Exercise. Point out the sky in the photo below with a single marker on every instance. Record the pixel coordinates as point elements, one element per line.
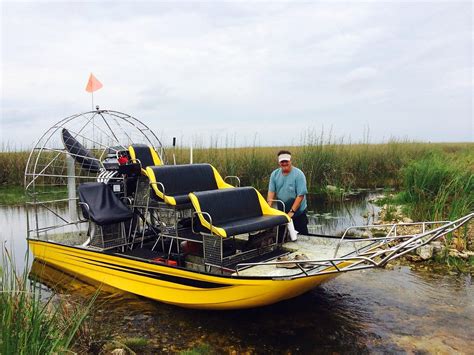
<point>248,73</point>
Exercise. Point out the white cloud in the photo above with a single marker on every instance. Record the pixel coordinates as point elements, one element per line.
<point>251,68</point>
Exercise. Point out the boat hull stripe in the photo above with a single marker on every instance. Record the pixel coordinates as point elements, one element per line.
<point>152,274</point>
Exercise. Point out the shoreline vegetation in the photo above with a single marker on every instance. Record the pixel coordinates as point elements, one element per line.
<point>435,180</point>
<point>33,324</point>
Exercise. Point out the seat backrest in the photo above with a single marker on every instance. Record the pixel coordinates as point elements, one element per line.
<point>104,207</point>
<point>80,154</point>
<point>179,180</point>
<point>147,156</point>
<point>228,205</point>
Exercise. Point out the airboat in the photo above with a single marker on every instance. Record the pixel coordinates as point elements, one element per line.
<point>103,204</point>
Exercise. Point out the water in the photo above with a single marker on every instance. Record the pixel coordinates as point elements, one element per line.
<point>399,310</point>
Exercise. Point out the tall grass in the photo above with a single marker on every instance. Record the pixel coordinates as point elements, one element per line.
<point>12,167</point>
<point>325,162</point>
<point>30,325</point>
<point>429,172</point>
<point>439,187</point>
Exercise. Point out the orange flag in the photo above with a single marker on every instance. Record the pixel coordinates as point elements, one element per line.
<point>93,84</point>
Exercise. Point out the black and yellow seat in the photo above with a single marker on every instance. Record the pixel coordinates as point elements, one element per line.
<point>172,184</point>
<point>235,211</point>
<point>106,213</point>
<point>145,155</point>
<point>167,203</point>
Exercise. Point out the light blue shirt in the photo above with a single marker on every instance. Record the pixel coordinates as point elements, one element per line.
<point>288,187</point>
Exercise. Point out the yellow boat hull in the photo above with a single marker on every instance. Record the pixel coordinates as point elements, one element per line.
<point>177,286</point>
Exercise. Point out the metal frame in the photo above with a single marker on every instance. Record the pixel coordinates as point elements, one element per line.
<point>233,177</point>
<point>377,253</point>
<point>46,164</point>
<point>94,227</point>
<point>213,243</point>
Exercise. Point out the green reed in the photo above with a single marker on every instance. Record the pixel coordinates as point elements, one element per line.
<point>325,162</point>
<point>29,324</point>
<point>329,161</point>
<point>439,186</point>
<point>12,167</point>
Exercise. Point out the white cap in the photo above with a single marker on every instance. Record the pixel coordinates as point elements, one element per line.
<point>282,157</point>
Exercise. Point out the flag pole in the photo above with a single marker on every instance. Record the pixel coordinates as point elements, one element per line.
<point>92,100</point>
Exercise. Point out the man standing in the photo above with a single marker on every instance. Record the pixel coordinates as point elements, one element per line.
<point>288,184</point>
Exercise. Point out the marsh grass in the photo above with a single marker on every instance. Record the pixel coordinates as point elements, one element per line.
<point>439,187</point>
<point>11,195</point>
<point>15,195</point>
<point>325,162</point>
<point>202,349</point>
<point>437,177</point>
<point>12,167</point>
<point>31,325</point>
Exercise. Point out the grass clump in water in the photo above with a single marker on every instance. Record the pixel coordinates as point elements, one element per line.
<point>31,325</point>
<point>201,349</point>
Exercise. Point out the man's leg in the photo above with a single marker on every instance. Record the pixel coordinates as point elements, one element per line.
<point>301,223</point>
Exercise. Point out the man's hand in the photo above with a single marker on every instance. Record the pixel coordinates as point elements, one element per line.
<point>291,214</point>
<point>270,197</point>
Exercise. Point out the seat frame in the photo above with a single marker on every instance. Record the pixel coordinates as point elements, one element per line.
<point>98,234</point>
<point>213,246</point>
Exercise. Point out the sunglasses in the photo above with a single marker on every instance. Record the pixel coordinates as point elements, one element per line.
<point>285,162</point>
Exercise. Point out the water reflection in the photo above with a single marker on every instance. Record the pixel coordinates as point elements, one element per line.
<point>332,218</point>
<point>13,233</point>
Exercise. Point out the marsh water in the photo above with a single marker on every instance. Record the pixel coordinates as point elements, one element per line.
<point>401,309</point>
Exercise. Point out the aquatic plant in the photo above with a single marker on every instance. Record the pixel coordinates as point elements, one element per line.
<point>200,349</point>
<point>30,324</point>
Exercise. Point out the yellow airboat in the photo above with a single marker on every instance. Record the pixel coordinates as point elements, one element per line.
<point>104,205</point>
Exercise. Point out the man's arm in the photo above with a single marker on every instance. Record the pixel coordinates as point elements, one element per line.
<point>295,205</point>
<point>271,190</point>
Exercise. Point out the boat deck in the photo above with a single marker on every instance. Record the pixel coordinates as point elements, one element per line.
<point>315,248</point>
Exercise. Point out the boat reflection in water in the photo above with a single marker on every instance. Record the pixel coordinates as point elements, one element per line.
<point>59,281</point>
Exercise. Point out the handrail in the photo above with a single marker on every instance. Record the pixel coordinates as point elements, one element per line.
<point>201,213</point>
<point>381,226</point>
<point>280,201</point>
<point>301,263</point>
<point>88,213</point>
<point>375,254</point>
<point>163,186</point>
<point>235,177</point>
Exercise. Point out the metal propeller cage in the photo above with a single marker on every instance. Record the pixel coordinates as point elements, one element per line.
<point>53,174</point>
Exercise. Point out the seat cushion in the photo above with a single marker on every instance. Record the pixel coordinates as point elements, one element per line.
<point>182,200</point>
<point>228,205</point>
<point>104,207</point>
<point>180,180</point>
<point>252,224</point>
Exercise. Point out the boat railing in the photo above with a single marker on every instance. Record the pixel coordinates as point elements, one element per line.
<point>369,252</point>
<point>393,229</point>
<point>236,178</point>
